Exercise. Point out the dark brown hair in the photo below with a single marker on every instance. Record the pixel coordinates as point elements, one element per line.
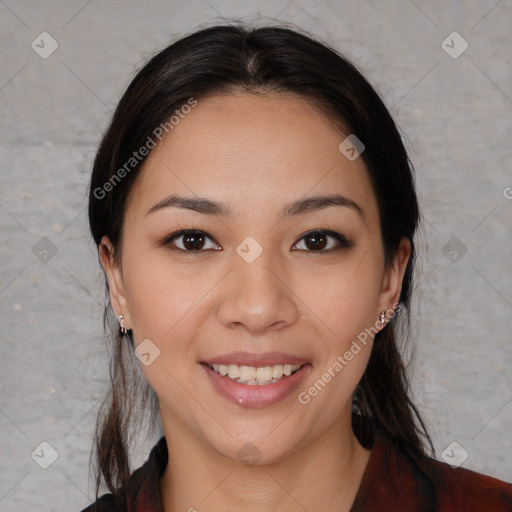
<point>224,60</point>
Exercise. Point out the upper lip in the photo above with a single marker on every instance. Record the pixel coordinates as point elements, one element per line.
<point>256,360</point>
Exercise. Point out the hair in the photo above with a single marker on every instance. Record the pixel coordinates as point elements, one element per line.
<point>234,59</point>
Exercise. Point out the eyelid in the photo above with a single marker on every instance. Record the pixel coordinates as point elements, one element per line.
<point>168,239</point>
<point>343,242</point>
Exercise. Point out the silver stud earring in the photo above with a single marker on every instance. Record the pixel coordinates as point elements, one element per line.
<point>382,318</point>
<point>123,329</point>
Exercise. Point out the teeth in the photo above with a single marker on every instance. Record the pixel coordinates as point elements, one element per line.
<point>264,373</point>
<point>233,371</point>
<point>277,371</point>
<point>254,376</point>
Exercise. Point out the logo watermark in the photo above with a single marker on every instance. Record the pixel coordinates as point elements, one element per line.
<point>138,156</point>
<point>304,397</point>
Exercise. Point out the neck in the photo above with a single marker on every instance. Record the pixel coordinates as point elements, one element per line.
<point>323,476</point>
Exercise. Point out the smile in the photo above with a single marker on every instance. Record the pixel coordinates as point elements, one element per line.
<point>256,386</point>
<point>255,376</point>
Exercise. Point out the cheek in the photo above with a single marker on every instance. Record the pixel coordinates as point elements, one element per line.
<point>346,298</point>
<point>168,308</point>
<point>344,302</point>
<point>161,299</point>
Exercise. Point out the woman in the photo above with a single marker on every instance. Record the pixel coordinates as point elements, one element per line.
<point>255,214</point>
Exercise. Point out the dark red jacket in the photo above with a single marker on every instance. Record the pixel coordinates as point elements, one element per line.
<point>392,482</point>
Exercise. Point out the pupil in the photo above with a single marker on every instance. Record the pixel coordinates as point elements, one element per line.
<point>193,241</point>
<point>318,240</point>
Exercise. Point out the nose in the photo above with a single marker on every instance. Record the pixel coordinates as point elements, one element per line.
<point>257,296</point>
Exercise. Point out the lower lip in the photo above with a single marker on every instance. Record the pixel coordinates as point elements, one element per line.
<point>246,395</point>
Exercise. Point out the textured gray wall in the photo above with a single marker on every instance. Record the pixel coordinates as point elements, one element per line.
<point>455,111</point>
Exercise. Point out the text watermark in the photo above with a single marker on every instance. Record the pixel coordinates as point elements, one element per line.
<point>138,156</point>
<point>304,397</point>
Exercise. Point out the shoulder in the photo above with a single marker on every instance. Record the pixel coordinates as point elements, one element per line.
<point>399,480</point>
<point>462,489</point>
<point>106,503</point>
<point>141,492</point>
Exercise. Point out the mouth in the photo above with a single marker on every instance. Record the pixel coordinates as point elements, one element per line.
<point>255,376</point>
<point>261,381</point>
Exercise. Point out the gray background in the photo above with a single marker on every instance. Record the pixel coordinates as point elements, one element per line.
<point>455,114</point>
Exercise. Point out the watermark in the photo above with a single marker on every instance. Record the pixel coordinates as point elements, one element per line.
<point>146,352</point>
<point>454,45</point>
<point>351,147</point>
<point>44,455</point>
<point>138,156</point>
<point>249,454</point>
<point>304,397</point>
<point>44,45</point>
<point>454,454</point>
<point>454,249</point>
<point>507,192</point>
<point>44,250</point>
<point>249,249</point>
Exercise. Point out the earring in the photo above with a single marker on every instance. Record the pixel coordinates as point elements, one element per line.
<point>123,329</point>
<point>382,318</point>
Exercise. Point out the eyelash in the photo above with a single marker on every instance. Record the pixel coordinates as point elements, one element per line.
<point>344,243</point>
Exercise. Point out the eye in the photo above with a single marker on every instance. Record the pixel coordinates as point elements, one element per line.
<point>318,241</point>
<point>192,240</point>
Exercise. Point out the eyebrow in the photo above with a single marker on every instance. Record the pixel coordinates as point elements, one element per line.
<point>299,207</point>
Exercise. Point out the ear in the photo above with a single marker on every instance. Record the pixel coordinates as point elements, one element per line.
<point>393,276</point>
<point>112,268</point>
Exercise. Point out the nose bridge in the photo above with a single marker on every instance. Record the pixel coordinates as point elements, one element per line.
<point>256,278</point>
<point>256,294</point>
<point>253,260</point>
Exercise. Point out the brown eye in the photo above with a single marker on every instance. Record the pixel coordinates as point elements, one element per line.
<point>321,241</point>
<point>316,241</point>
<point>191,241</point>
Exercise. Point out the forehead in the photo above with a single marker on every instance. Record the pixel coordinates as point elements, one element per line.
<point>253,152</point>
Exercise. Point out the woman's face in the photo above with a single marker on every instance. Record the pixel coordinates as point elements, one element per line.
<point>266,277</point>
